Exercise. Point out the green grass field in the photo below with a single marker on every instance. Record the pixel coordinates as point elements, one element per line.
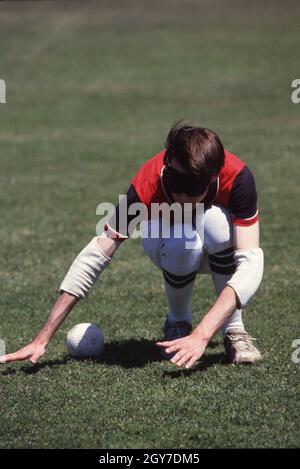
<point>92,89</point>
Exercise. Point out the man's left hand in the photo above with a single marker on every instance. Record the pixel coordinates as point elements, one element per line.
<point>188,349</point>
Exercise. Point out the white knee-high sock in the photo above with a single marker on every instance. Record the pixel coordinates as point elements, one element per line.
<point>179,300</point>
<point>235,321</point>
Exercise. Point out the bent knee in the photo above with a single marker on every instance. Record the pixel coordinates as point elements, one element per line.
<point>178,254</point>
<point>218,230</point>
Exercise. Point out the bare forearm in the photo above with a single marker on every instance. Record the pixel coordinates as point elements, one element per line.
<point>89,264</point>
<point>217,315</point>
<point>58,314</point>
<point>67,301</point>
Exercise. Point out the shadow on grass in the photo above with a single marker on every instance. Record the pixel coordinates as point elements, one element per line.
<point>29,369</point>
<point>205,362</point>
<point>132,353</point>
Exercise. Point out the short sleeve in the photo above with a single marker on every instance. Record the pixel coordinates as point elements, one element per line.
<point>115,224</point>
<point>243,199</point>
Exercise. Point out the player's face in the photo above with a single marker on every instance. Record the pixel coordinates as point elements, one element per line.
<point>182,197</point>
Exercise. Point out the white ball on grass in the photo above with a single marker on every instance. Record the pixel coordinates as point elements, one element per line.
<point>85,340</point>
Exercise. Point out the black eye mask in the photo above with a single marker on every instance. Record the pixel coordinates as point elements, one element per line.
<point>185,183</point>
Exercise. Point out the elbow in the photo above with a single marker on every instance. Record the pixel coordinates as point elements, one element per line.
<point>248,275</point>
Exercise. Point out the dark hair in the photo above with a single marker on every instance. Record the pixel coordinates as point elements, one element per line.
<point>198,150</point>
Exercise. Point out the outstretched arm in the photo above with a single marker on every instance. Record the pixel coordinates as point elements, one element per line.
<point>62,307</point>
<point>36,349</point>
<point>239,289</point>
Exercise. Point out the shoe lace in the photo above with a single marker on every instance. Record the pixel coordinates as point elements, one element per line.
<point>243,338</point>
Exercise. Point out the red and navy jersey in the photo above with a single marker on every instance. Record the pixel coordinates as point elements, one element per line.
<point>234,189</point>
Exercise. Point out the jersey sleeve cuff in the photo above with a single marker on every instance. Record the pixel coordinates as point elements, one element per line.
<point>245,221</point>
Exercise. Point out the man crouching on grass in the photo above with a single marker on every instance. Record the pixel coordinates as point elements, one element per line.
<point>193,168</point>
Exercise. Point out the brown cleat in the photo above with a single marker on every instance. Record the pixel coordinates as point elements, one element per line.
<point>240,348</point>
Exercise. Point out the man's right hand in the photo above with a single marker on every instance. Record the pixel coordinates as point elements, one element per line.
<point>32,352</point>
<point>62,307</point>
